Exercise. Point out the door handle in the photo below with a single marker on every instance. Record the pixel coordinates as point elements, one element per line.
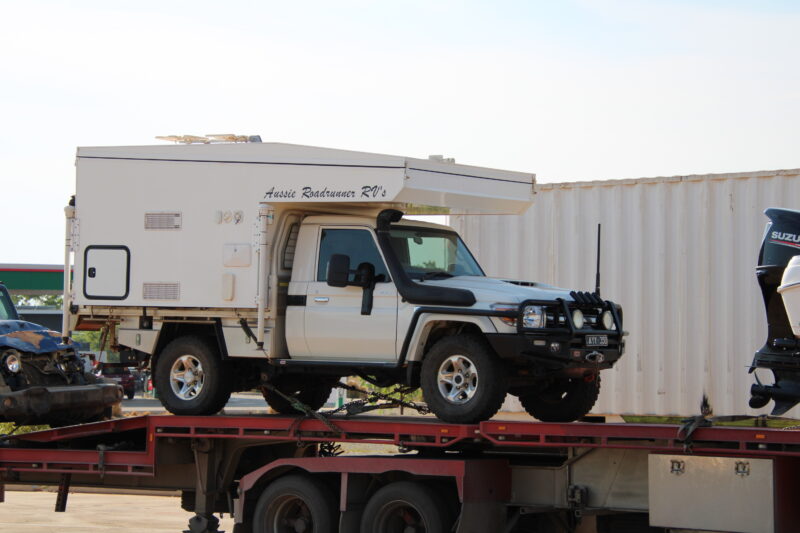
<point>321,299</point>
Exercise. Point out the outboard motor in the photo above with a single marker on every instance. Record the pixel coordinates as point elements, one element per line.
<point>778,274</point>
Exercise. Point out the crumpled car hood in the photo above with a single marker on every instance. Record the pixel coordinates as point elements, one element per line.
<point>29,337</point>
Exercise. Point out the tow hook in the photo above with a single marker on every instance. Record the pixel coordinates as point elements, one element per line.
<point>595,357</point>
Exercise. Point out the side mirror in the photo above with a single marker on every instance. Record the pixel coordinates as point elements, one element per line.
<point>338,270</point>
<point>365,275</point>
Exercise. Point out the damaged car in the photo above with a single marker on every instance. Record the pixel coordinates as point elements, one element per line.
<point>42,378</point>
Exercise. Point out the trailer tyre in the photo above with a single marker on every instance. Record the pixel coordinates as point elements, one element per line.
<point>405,506</point>
<point>562,399</point>
<point>462,380</point>
<point>296,503</point>
<point>191,379</point>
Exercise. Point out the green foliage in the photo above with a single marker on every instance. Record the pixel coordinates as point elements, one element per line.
<point>414,396</point>
<point>43,300</point>
<point>90,337</point>
<point>93,339</point>
<point>8,427</point>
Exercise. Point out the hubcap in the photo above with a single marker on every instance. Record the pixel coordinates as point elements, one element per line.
<point>400,517</point>
<point>291,515</point>
<point>187,377</point>
<point>458,379</point>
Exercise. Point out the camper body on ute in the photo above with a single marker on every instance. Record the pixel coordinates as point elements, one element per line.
<point>232,266</point>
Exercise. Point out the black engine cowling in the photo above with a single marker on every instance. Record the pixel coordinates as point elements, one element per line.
<point>780,352</point>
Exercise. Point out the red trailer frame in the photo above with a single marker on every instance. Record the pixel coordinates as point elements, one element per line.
<point>214,457</point>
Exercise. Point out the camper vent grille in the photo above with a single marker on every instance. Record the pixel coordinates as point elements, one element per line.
<point>163,220</point>
<point>162,291</point>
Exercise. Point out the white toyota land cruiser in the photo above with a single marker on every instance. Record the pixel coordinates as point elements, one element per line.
<point>227,267</point>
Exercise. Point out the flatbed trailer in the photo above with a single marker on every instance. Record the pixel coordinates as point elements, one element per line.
<point>279,473</point>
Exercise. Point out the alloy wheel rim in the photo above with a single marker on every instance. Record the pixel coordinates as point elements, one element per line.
<point>187,377</point>
<point>457,379</point>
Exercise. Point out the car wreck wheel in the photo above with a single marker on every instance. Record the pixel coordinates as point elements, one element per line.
<point>462,379</point>
<point>561,399</point>
<point>190,378</point>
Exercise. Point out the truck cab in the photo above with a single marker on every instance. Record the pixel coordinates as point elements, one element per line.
<point>322,276</point>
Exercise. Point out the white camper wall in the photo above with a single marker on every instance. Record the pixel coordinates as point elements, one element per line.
<point>678,253</point>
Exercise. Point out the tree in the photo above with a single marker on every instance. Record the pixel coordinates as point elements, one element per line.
<point>42,300</point>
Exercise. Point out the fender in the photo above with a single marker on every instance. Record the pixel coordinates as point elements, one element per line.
<point>424,318</point>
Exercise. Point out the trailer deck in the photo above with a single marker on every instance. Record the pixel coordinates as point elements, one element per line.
<point>218,461</point>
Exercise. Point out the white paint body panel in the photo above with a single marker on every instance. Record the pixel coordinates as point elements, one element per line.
<point>790,292</point>
<point>679,255</point>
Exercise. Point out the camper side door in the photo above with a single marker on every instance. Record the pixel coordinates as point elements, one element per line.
<point>335,328</point>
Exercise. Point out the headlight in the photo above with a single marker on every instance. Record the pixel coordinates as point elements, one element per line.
<point>608,320</point>
<point>577,318</point>
<point>12,363</point>
<point>533,317</point>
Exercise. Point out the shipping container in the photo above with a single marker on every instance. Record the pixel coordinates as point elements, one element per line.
<point>678,253</point>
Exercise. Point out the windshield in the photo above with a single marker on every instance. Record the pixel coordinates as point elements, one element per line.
<point>7,311</point>
<point>430,253</point>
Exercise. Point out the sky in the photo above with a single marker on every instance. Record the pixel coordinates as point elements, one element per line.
<point>569,90</point>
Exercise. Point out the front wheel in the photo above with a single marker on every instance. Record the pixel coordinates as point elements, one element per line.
<point>561,399</point>
<point>462,380</point>
<point>191,379</point>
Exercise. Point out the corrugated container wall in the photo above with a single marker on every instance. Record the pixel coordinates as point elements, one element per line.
<point>679,255</point>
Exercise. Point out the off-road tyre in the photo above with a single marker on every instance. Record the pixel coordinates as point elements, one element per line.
<point>313,394</point>
<point>296,497</point>
<point>489,392</point>
<point>562,399</point>
<point>217,384</point>
<point>403,505</point>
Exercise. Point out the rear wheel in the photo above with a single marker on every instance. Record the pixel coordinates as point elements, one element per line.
<point>462,380</point>
<point>191,379</point>
<point>561,399</point>
<point>405,506</point>
<point>313,394</point>
<point>296,503</point>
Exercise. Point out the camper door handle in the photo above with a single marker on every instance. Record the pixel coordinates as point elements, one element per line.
<point>321,299</point>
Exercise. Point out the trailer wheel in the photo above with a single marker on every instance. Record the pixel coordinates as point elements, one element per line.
<point>405,506</point>
<point>296,503</point>
<point>462,380</point>
<point>562,399</point>
<point>313,395</point>
<point>191,379</point>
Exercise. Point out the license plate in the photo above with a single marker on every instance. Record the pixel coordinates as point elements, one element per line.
<point>596,340</point>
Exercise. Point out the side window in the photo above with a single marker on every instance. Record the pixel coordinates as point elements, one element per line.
<point>357,243</point>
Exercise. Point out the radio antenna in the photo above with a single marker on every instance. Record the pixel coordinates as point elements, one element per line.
<point>597,278</point>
